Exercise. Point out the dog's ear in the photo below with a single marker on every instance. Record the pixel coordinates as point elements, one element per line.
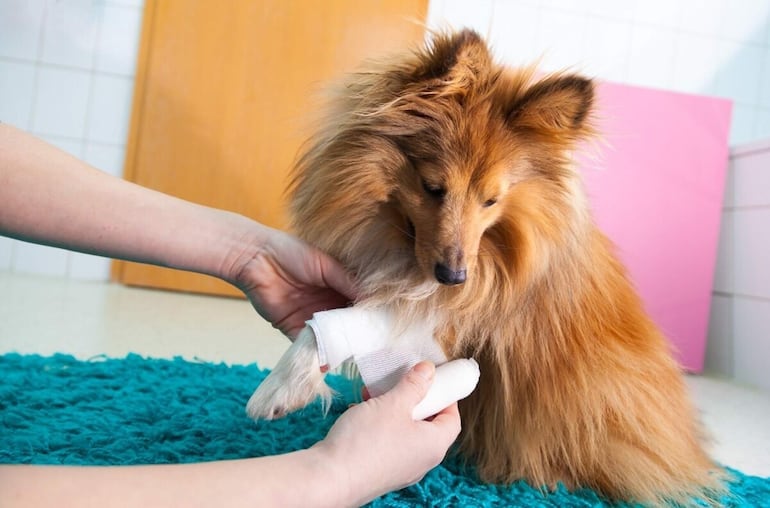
<point>558,105</point>
<point>451,65</point>
<point>453,57</point>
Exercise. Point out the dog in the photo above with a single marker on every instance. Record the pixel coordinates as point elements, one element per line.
<point>444,182</point>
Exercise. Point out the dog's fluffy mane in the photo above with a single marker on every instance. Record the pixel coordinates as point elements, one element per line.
<point>578,385</point>
<point>358,155</point>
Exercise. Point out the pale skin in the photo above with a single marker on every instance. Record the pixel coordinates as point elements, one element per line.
<point>49,197</point>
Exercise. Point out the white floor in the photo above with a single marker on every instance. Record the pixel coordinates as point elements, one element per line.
<point>47,315</point>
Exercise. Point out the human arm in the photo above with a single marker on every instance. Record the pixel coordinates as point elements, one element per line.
<point>52,198</point>
<point>373,448</point>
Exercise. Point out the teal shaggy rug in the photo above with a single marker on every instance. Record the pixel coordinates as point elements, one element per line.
<point>58,410</point>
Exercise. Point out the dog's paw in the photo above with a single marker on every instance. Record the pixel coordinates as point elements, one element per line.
<point>278,395</point>
<point>295,382</point>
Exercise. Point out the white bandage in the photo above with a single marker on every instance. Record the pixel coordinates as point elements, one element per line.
<point>382,350</point>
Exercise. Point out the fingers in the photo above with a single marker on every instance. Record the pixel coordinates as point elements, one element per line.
<point>337,278</point>
<point>332,273</point>
<point>310,265</point>
<point>449,420</point>
<point>425,371</point>
<point>417,382</point>
<point>414,385</point>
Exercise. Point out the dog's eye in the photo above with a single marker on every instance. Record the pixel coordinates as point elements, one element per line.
<point>436,191</point>
<point>489,202</point>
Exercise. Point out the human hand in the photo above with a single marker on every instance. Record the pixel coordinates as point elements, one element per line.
<point>288,280</point>
<point>379,448</point>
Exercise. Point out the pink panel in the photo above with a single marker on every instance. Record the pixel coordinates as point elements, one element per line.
<point>656,190</point>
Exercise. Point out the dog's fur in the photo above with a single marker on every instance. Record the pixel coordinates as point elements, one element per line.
<point>441,161</point>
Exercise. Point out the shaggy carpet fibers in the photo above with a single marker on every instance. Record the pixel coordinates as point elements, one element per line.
<point>58,410</point>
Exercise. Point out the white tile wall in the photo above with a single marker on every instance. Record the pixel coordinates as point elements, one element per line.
<point>752,180</point>
<point>744,121</point>
<point>764,88</point>
<point>456,13</point>
<point>712,47</point>
<point>607,60</point>
<point>118,41</point>
<point>703,17</point>
<point>740,76</point>
<point>31,258</point>
<point>694,59</point>
<point>751,342</point>
<point>739,330</point>
<point>663,13</point>
<point>66,75</point>
<point>512,30</point>
<point>17,81</point>
<point>108,158</point>
<point>61,102</point>
<point>569,27</point>
<point>110,110</point>
<point>751,257</point>
<point>20,22</point>
<point>652,58</point>
<point>741,25</point>
<point>763,120</point>
<point>69,37</point>
<point>604,8</point>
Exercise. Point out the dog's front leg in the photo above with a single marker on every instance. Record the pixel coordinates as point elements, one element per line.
<point>294,383</point>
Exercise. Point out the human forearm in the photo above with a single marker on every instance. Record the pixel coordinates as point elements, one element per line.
<point>299,479</point>
<point>49,197</point>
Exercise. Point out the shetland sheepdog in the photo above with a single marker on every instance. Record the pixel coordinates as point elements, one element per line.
<point>444,181</point>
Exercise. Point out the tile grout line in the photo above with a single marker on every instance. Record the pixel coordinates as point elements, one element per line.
<point>745,207</point>
<point>64,67</point>
<point>726,294</point>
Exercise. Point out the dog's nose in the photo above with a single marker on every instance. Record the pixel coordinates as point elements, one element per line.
<point>446,275</point>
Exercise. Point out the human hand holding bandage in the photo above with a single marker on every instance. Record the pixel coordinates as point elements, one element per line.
<point>384,352</point>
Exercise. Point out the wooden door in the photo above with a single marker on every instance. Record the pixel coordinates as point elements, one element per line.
<point>224,94</point>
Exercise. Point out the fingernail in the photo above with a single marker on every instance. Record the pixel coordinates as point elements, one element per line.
<point>425,369</point>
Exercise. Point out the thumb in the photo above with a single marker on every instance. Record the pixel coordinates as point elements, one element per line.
<point>336,277</point>
<point>414,385</point>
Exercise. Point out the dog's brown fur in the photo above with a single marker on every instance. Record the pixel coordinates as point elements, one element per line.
<point>442,156</point>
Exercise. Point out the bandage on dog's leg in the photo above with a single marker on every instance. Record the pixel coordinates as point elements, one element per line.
<point>353,331</point>
<point>384,351</point>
